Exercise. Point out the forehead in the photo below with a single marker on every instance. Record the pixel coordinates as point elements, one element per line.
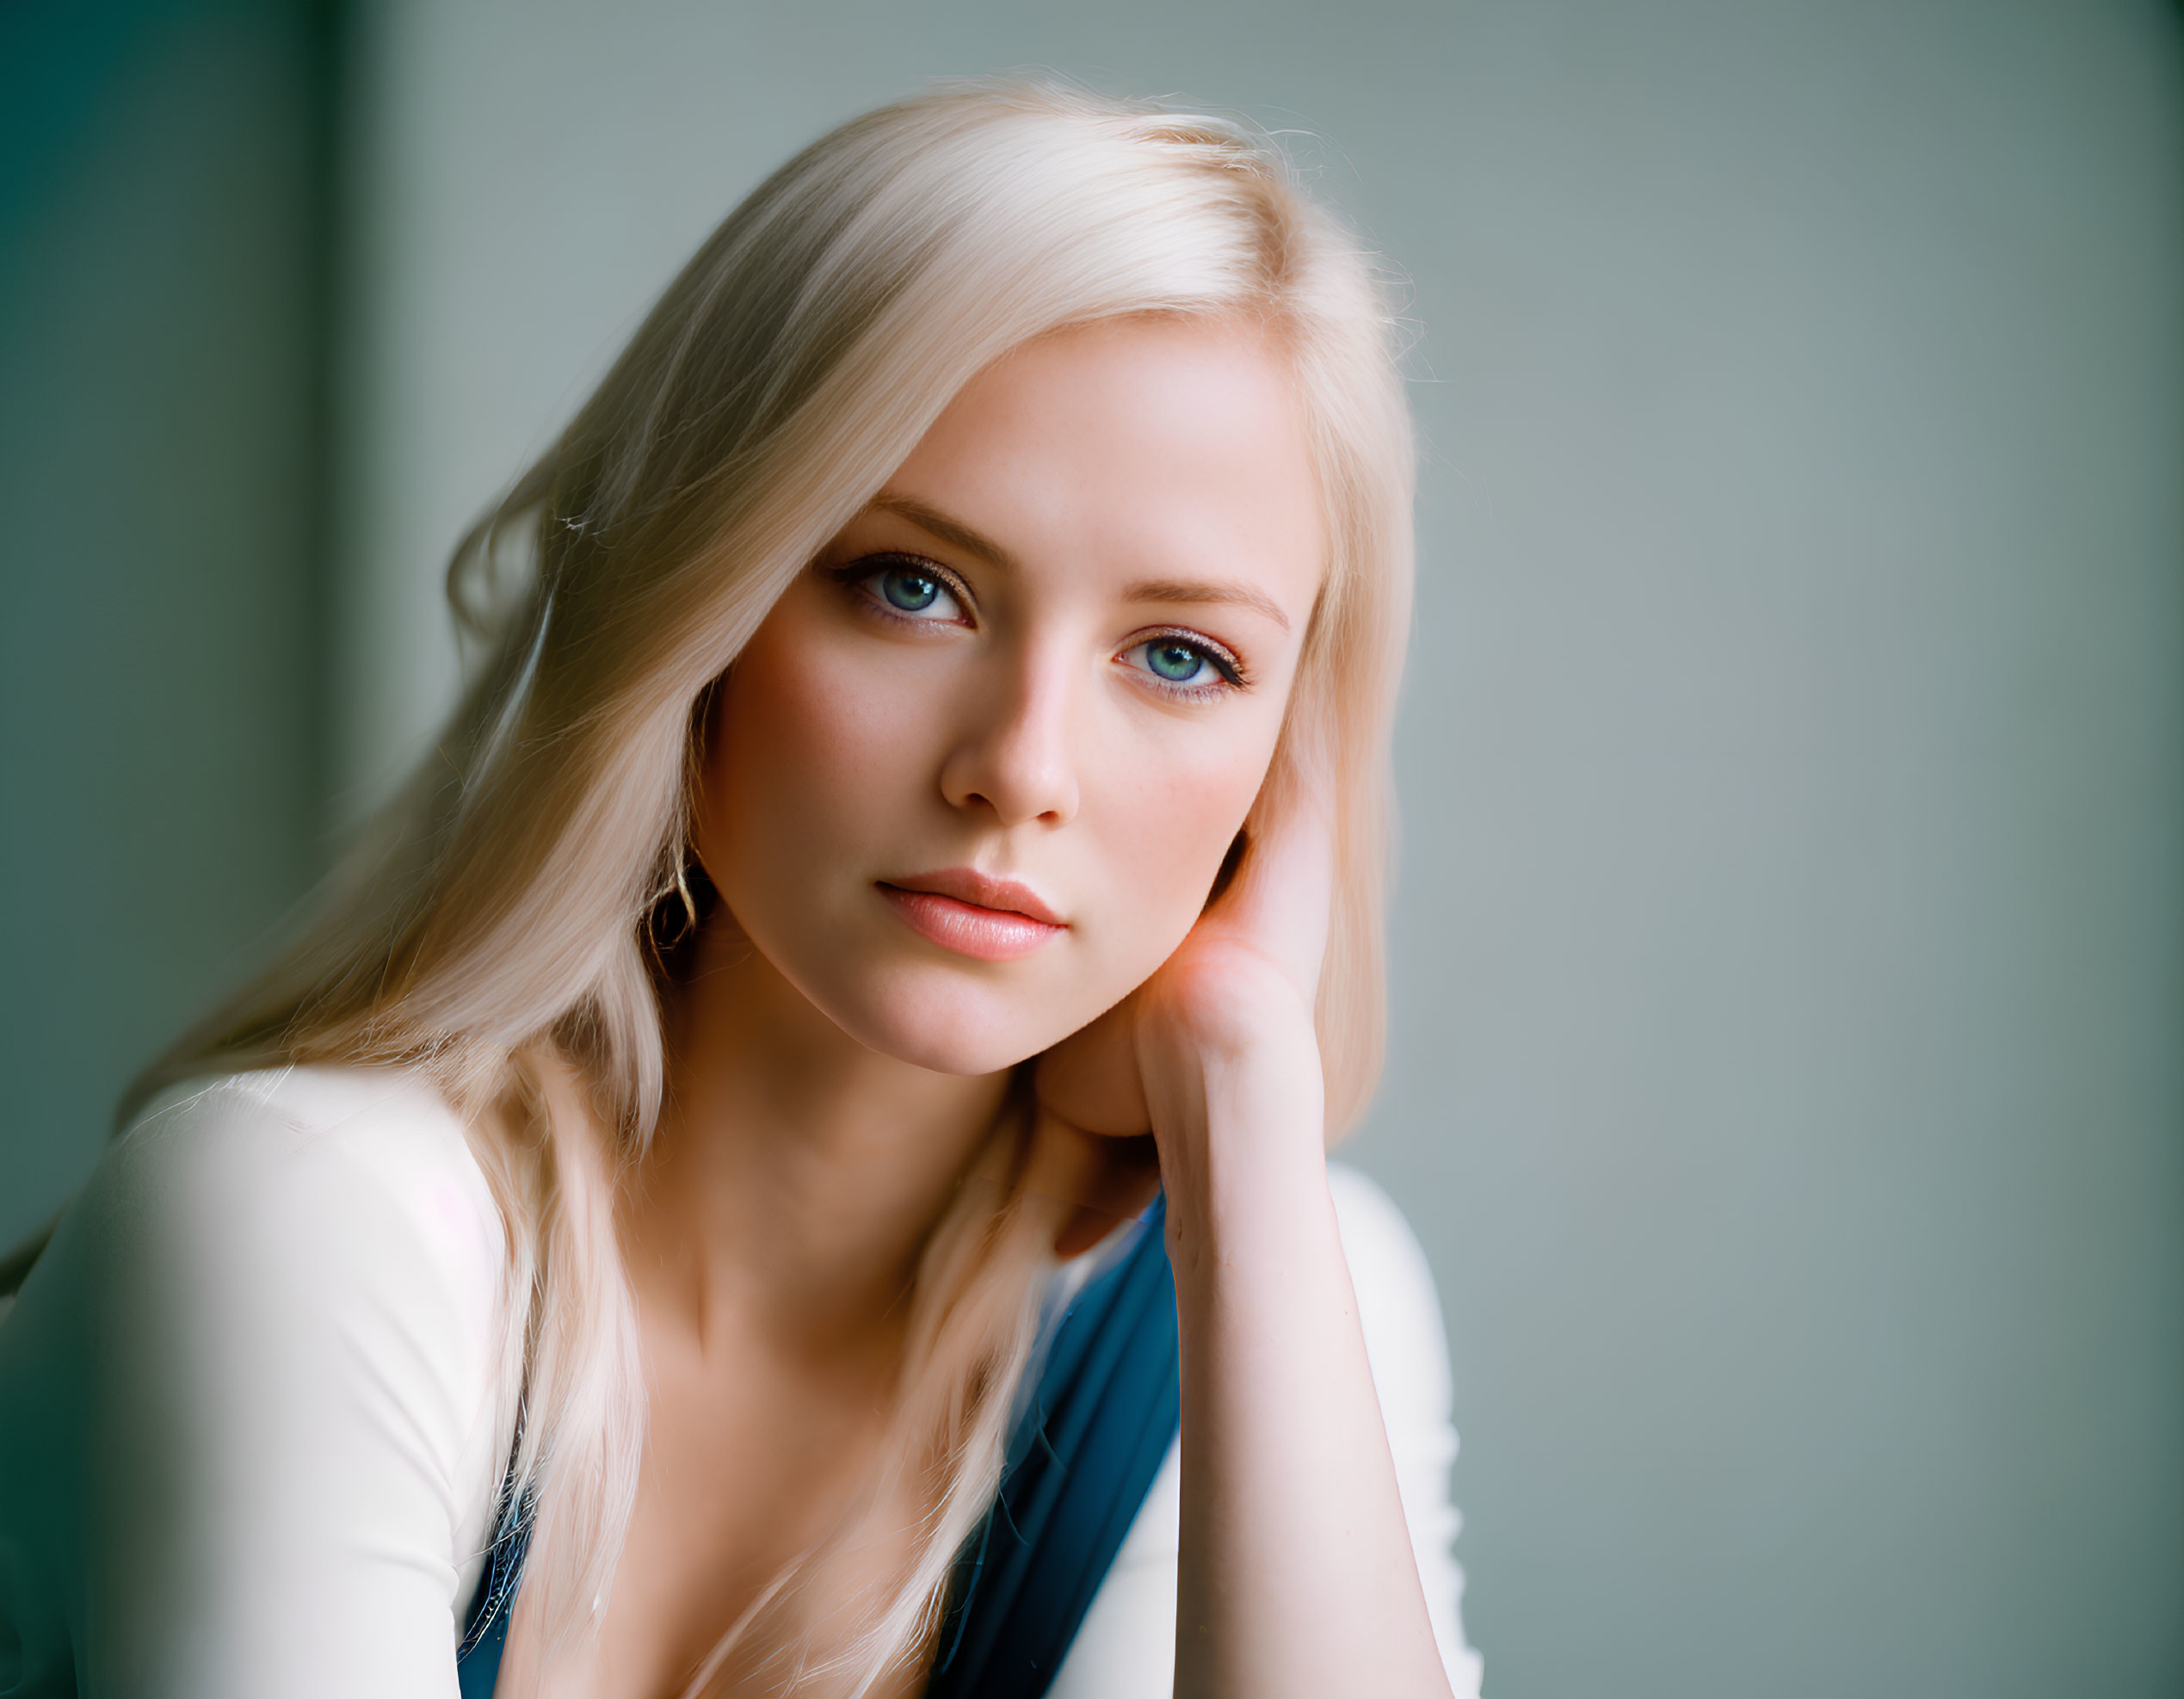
<point>1139,447</point>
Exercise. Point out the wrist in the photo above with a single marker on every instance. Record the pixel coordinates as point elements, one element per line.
<point>1241,1131</point>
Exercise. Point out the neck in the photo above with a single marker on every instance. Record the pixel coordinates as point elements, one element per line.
<point>795,1175</point>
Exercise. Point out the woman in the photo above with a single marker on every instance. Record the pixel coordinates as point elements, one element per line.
<point>924,793</point>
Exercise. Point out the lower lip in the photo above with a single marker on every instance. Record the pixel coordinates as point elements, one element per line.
<point>987,934</point>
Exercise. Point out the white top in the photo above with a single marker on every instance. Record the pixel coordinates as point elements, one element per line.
<point>273,1320</point>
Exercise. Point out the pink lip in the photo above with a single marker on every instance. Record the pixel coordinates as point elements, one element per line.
<point>973,913</point>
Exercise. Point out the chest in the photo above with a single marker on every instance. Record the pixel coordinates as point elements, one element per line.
<point>756,1464</point>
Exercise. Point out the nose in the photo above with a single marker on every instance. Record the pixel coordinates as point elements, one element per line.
<point>1013,754</point>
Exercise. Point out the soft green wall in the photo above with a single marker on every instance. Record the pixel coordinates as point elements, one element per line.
<point>161,269</point>
<point>1787,1075</point>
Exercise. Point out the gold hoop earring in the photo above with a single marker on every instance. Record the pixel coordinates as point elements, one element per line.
<point>682,890</point>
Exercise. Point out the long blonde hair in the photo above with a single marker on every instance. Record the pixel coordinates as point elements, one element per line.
<point>496,923</point>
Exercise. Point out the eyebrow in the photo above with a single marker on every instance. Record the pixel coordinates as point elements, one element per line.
<point>1230,593</point>
<point>1227,592</point>
<point>946,529</point>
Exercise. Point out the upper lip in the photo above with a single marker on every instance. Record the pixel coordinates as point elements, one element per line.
<point>981,890</point>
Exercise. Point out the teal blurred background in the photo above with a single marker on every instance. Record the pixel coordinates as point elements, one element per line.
<point>1786,1080</point>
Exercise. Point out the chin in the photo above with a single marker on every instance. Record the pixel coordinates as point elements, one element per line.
<point>951,1021</point>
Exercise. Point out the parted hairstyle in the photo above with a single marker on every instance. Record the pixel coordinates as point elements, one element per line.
<point>498,922</point>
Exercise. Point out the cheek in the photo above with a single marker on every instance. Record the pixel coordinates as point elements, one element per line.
<point>1169,816</point>
<point>806,756</point>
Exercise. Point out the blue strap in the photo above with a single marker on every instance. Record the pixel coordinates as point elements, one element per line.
<point>477,1659</point>
<point>1098,1428</point>
<point>1082,1457</point>
<point>477,1665</point>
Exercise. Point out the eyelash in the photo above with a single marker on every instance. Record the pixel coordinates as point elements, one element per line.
<point>1223,660</point>
<point>859,575</point>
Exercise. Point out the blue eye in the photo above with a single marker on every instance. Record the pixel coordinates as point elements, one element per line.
<point>909,589</point>
<point>1184,663</point>
<point>1177,662</point>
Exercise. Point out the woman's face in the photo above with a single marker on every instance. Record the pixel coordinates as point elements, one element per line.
<point>970,784</point>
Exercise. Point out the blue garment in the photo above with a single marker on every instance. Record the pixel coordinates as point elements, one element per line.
<point>1093,1436</point>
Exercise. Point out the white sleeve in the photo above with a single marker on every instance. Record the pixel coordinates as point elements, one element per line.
<point>275,1317</point>
<point>1407,1348</point>
<point>1127,1647</point>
